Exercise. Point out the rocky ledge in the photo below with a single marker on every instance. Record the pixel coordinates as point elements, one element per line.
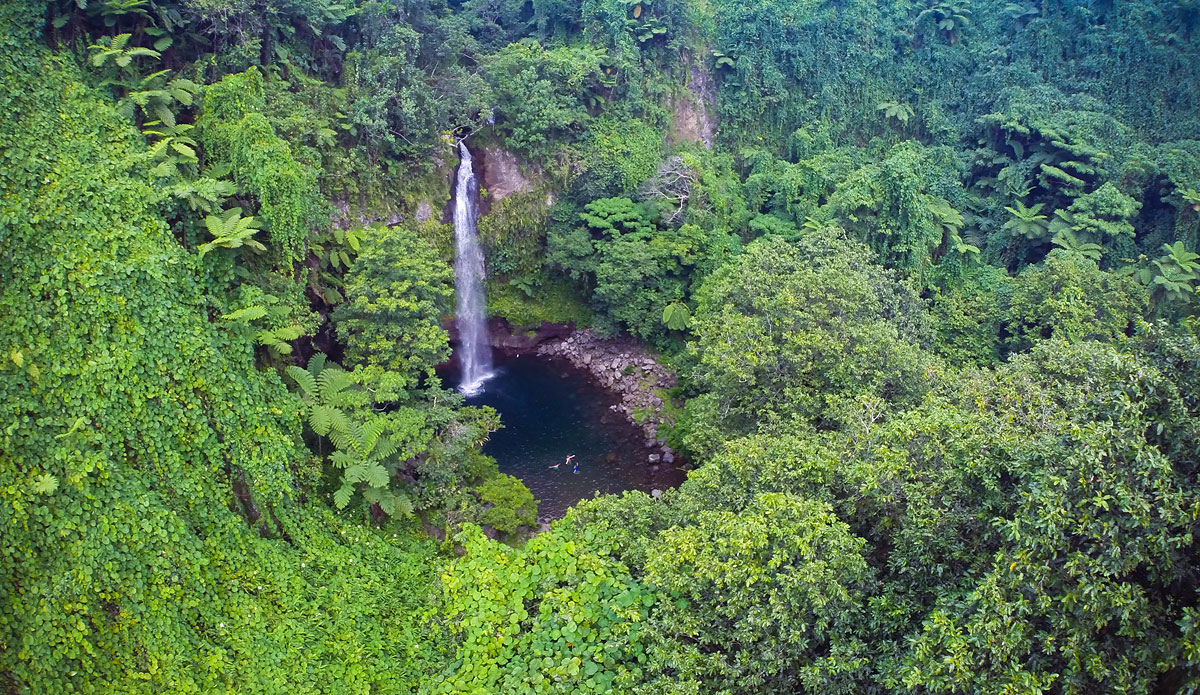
<point>631,372</point>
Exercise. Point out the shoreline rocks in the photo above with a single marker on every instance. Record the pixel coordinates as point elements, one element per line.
<point>622,366</point>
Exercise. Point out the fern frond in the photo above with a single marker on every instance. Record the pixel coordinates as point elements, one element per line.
<point>396,504</point>
<point>303,379</point>
<point>370,434</point>
<point>375,475</point>
<point>289,332</point>
<point>332,382</point>
<point>346,439</point>
<point>342,459</point>
<point>325,419</point>
<point>215,225</point>
<point>384,448</point>
<point>341,497</point>
<point>317,364</point>
<point>247,314</point>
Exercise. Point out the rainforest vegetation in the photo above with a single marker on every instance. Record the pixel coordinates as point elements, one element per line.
<point>927,271</point>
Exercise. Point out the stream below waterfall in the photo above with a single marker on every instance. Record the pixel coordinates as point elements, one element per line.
<point>551,410</point>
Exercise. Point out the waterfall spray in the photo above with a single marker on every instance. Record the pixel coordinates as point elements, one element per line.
<point>475,353</point>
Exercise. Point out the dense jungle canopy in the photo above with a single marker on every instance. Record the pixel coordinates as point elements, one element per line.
<point>927,272</point>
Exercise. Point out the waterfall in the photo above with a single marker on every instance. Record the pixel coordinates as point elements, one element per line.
<point>475,353</point>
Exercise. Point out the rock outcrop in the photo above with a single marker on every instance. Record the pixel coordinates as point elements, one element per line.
<point>694,109</point>
<point>501,173</point>
<point>628,369</point>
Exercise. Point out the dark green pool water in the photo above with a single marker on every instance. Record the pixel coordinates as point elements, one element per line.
<point>551,410</point>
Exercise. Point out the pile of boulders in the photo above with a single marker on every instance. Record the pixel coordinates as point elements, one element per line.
<point>627,369</point>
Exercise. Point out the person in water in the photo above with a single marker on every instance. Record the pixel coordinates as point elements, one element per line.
<point>555,466</point>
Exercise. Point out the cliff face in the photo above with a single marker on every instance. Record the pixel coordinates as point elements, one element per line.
<point>694,108</point>
<point>501,175</point>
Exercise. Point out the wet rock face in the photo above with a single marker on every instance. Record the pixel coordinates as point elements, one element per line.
<point>626,368</point>
<point>504,336</point>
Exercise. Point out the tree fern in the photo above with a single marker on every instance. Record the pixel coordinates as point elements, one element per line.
<point>277,340</point>
<point>231,231</point>
<point>1027,222</point>
<point>376,475</point>
<point>1069,243</point>
<point>361,447</point>
<point>332,384</point>
<point>304,379</point>
<point>896,110</point>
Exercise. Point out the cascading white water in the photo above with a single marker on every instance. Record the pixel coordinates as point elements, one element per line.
<point>474,352</point>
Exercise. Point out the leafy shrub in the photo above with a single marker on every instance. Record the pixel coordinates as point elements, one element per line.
<point>511,504</point>
<point>396,294</point>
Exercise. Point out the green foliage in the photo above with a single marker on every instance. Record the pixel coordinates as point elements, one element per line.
<point>1019,517</point>
<point>540,93</point>
<point>898,206</point>
<point>558,616</point>
<point>1070,298</point>
<point>781,335</point>
<point>618,155</point>
<point>555,300</point>
<point>396,294</point>
<point>509,504</point>
<point>513,235</point>
<point>766,599</point>
<point>1104,214</point>
<point>1174,278</point>
<point>333,252</point>
<point>153,538</point>
<point>635,268</point>
<point>968,317</point>
<point>236,134</point>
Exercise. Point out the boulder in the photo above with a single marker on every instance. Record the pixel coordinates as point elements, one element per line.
<point>501,174</point>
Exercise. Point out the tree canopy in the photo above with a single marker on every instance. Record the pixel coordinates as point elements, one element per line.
<point>927,275</point>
